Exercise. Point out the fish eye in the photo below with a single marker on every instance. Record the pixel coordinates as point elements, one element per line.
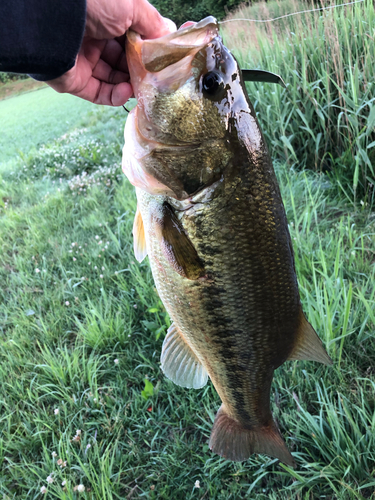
<point>212,84</point>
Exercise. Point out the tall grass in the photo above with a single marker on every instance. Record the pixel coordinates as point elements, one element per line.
<point>325,119</point>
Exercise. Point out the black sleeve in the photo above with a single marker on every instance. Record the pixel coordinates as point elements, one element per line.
<point>41,37</point>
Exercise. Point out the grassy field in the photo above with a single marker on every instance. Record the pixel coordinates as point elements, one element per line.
<point>83,402</point>
<point>35,118</point>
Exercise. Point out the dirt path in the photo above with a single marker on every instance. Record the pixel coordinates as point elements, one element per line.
<point>16,87</point>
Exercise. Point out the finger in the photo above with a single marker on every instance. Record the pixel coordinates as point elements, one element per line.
<point>92,49</point>
<point>114,54</point>
<point>148,22</point>
<point>106,73</point>
<point>100,92</point>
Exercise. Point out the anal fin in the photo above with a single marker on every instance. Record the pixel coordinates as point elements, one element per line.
<point>308,346</point>
<point>233,441</point>
<point>179,363</point>
<point>139,242</point>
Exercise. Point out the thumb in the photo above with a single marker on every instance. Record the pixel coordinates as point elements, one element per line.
<point>148,22</point>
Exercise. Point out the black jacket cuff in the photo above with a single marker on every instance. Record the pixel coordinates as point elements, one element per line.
<point>41,37</point>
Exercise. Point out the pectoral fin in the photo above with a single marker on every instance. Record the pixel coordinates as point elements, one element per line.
<point>139,242</point>
<point>176,245</point>
<point>179,363</point>
<point>308,346</point>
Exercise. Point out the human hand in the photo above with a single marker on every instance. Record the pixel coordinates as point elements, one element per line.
<point>100,74</point>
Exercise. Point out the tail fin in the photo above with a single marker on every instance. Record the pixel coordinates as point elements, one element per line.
<point>231,440</point>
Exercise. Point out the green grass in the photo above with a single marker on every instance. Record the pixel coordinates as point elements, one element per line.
<point>35,118</point>
<point>74,300</point>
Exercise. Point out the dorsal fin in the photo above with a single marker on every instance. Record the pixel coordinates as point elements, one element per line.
<point>139,241</point>
<point>308,346</point>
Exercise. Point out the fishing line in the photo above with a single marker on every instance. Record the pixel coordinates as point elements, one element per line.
<point>292,14</point>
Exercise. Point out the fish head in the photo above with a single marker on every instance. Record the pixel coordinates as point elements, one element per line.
<point>191,98</point>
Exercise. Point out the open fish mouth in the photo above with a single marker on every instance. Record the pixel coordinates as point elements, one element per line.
<point>154,56</point>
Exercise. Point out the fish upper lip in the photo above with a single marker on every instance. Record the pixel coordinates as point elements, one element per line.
<point>179,34</point>
<point>173,46</point>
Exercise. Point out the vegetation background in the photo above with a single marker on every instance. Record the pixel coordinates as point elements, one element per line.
<point>84,408</point>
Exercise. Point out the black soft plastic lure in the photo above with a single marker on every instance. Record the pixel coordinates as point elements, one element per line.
<point>258,75</point>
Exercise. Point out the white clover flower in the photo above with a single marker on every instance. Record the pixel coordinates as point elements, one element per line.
<point>96,237</point>
<point>49,479</point>
<point>37,270</point>
<point>63,483</point>
<point>103,268</point>
<point>54,454</point>
<point>116,361</point>
<point>78,432</point>
<point>81,488</point>
<point>101,276</point>
<point>197,484</point>
<point>43,490</point>
<point>56,411</point>
<point>67,303</point>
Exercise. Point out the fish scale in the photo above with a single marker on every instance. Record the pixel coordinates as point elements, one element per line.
<point>212,222</point>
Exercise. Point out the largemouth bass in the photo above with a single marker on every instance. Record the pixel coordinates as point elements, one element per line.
<point>211,219</point>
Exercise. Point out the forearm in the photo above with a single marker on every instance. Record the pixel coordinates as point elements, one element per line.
<point>41,37</point>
